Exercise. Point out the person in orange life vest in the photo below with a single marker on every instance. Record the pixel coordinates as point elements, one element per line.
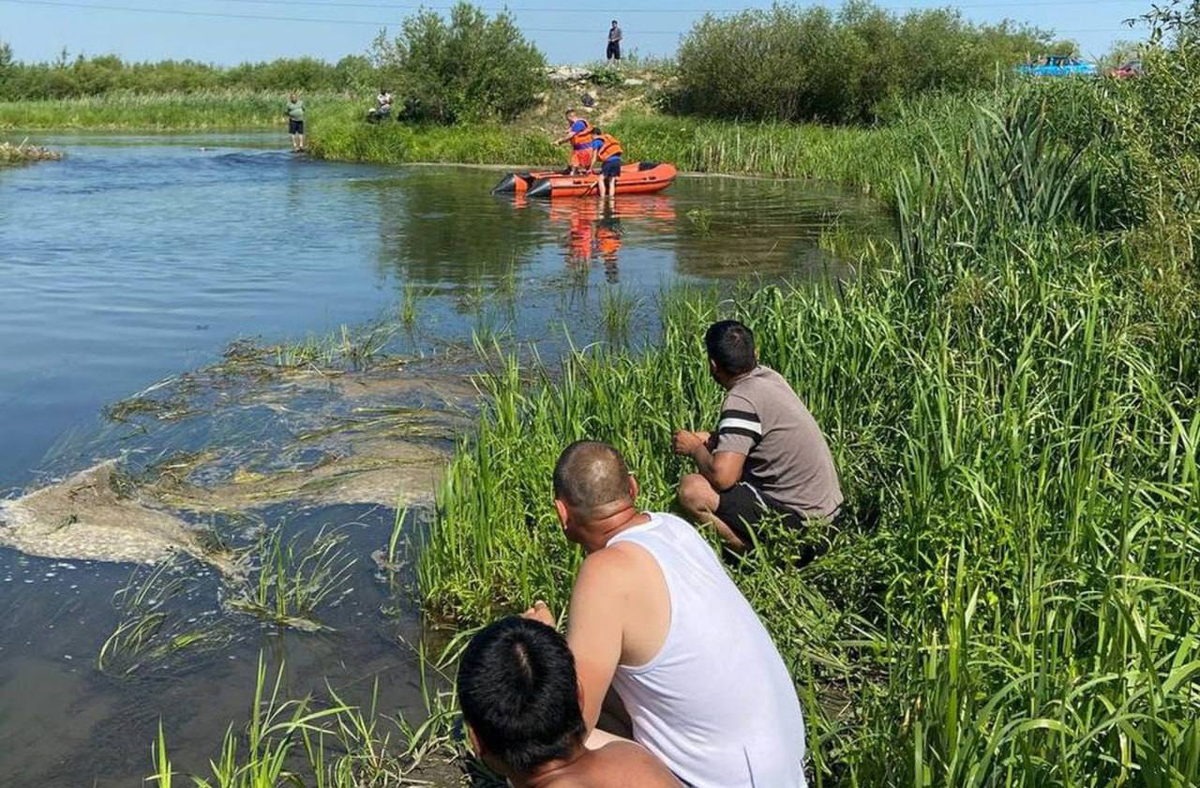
<point>607,149</point>
<point>579,135</point>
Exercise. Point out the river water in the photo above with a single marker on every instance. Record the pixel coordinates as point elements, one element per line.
<point>139,258</point>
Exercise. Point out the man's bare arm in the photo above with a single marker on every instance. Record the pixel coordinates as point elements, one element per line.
<point>723,469</point>
<point>596,626</point>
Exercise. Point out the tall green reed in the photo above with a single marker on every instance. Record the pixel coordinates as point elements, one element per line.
<point>1013,597</point>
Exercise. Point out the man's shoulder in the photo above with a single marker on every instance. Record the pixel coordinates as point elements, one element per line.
<point>761,385</point>
<point>623,763</point>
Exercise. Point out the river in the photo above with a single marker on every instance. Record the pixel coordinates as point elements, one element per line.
<point>138,259</point>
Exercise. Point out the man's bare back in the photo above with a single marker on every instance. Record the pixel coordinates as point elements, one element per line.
<point>616,765</point>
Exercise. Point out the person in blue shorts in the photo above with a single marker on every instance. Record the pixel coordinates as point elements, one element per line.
<point>607,150</point>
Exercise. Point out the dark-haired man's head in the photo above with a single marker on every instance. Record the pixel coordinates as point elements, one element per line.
<point>571,114</point>
<point>519,696</point>
<point>591,484</point>
<point>730,351</point>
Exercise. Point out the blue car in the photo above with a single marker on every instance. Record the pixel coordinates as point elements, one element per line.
<point>1059,66</point>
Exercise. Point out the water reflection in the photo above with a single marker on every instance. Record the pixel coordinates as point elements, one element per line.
<point>594,230</point>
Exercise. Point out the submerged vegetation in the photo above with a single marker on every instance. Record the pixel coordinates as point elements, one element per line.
<point>291,578</point>
<point>25,153</point>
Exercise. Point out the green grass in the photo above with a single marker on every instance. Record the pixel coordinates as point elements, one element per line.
<point>867,158</point>
<point>200,111</point>
<point>331,743</point>
<point>291,578</point>
<point>1011,397</point>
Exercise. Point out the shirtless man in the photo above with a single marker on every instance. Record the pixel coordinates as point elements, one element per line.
<point>654,616</point>
<point>520,701</point>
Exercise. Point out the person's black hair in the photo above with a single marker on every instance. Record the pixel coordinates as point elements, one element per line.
<point>731,345</point>
<point>518,691</point>
<point>590,474</point>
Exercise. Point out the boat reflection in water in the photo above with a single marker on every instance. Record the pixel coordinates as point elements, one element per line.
<point>595,229</point>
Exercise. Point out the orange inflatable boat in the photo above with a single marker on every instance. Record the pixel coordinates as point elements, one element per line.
<point>636,178</point>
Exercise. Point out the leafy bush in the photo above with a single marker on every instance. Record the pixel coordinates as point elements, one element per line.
<point>791,63</point>
<point>470,68</point>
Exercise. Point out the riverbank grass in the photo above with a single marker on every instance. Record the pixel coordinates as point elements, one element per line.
<point>1010,396</point>
<point>218,110</point>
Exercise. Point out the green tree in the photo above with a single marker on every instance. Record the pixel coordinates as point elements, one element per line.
<point>469,67</point>
<point>6,68</point>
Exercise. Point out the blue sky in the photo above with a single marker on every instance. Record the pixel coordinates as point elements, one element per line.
<point>566,32</point>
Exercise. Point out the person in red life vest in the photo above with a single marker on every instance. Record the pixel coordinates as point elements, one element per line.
<point>579,136</point>
<point>607,149</point>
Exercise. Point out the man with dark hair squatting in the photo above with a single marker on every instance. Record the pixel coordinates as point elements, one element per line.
<point>607,149</point>
<point>767,456</point>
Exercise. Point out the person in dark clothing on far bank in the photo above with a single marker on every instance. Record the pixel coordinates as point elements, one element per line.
<point>767,456</point>
<point>614,42</point>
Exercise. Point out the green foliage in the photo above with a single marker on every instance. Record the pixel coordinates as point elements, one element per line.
<point>1011,398</point>
<point>606,76</point>
<point>789,63</point>
<point>104,75</point>
<point>867,158</point>
<point>469,68</point>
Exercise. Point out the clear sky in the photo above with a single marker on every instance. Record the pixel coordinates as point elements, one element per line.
<point>231,31</point>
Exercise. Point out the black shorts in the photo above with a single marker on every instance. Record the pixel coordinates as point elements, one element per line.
<point>743,506</point>
<point>611,168</point>
<point>614,50</point>
<point>295,126</point>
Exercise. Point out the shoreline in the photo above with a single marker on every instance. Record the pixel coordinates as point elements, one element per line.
<point>863,158</point>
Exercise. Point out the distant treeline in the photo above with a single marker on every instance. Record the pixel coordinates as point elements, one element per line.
<point>80,76</point>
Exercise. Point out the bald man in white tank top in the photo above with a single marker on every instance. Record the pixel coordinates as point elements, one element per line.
<point>654,616</point>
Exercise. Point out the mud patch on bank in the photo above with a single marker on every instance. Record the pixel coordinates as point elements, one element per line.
<point>246,433</point>
<point>93,516</point>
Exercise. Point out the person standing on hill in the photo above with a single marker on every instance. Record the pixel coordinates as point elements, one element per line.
<point>655,617</point>
<point>768,455</point>
<point>295,116</point>
<point>614,42</point>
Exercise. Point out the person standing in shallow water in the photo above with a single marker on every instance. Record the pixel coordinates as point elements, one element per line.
<point>295,116</point>
<point>614,42</point>
<point>520,702</point>
<point>767,456</point>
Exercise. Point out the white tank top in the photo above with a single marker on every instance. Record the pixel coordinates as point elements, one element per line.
<point>716,704</point>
